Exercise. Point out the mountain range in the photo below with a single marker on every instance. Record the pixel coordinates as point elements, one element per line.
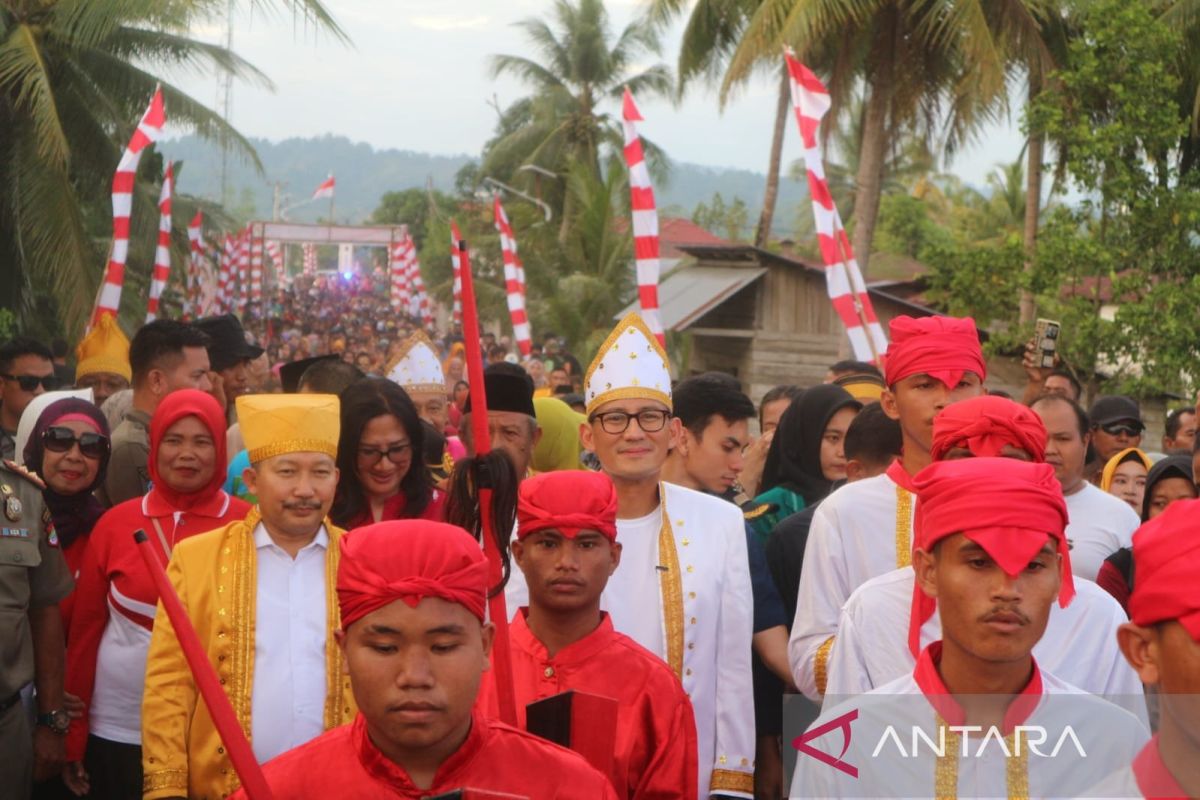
<point>364,174</point>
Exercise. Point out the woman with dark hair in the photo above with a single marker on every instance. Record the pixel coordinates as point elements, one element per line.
<point>806,456</point>
<point>116,598</point>
<point>69,448</point>
<point>381,458</point>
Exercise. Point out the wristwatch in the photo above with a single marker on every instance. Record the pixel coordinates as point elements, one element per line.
<point>57,721</point>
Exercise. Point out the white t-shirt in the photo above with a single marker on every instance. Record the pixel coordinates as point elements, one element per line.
<point>639,580</point>
<point>1100,525</point>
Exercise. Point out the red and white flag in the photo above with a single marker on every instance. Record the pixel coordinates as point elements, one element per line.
<point>275,254</point>
<point>226,274</point>
<point>162,253</point>
<point>514,279</point>
<point>191,283</point>
<point>310,259</point>
<point>243,271</point>
<point>421,307</point>
<point>148,130</point>
<point>645,219</point>
<point>843,279</point>
<point>325,189</point>
<point>456,268</point>
<point>256,268</point>
<point>398,275</point>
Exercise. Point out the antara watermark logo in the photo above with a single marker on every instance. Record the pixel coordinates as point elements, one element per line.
<point>974,741</point>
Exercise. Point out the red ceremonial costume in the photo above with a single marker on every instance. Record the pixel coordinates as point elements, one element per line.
<point>655,747</point>
<point>393,509</point>
<point>984,425</point>
<point>115,598</point>
<point>940,347</point>
<point>442,561</point>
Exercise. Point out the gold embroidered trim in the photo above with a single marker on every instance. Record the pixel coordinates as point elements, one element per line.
<point>904,500</point>
<point>1016,766</point>
<point>821,664</point>
<point>731,780</point>
<point>632,319</point>
<point>671,586</point>
<point>406,346</point>
<point>165,779</point>
<point>335,691</point>
<point>757,512</point>
<point>292,446</point>
<point>243,561</point>
<point>630,393</point>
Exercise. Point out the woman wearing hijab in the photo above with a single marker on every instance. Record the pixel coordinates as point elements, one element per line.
<point>383,475</point>
<point>116,598</point>
<point>69,448</point>
<point>805,457</point>
<point>559,448</point>
<point>1169,480</point>
<point>1124,476</point>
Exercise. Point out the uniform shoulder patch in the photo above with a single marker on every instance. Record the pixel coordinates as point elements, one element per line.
<point>24,472</point>
<point>755,512</point>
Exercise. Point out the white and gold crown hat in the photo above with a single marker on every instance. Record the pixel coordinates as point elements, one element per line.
<point>631,364</point>
<point>417,368</point>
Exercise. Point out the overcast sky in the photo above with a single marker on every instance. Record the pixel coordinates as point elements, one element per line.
<point>416,77</point>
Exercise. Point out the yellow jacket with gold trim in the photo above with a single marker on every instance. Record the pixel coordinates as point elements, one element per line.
<point>215,574</point>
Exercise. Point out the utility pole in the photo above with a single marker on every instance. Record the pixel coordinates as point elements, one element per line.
<point>225,101</point>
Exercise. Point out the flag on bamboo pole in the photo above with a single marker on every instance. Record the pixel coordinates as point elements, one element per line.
<point>162,253</point>
<point>148,130</point>
<point>514,279</point>
<point>275,254</point>
<point>256,247</point>
<point>325,189</point>
<point>456,269</point>
<point>843,279</point>
<point>191,293</point>
<point>645,219</point>
<point>398,276</point>
<point>310,259</point>
<point>424,305</point>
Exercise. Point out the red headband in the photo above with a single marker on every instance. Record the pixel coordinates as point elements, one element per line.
<point>1166,552</point>
<point>409,560</point>
<point>985,424</point>
<point>569,501</point>
<point>941,347</point>
<point>1007,507</point>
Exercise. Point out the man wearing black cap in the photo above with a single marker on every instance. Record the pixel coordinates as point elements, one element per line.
<point>230,354</point>
<point>1117,425</point>
<point>512,420</point>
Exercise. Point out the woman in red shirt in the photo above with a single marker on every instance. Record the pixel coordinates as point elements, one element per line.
<point>115,596</point>
<point>380,458</point>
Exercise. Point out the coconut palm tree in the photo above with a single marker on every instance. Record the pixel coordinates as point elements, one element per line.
<point>940,65</point>
<point>579,67</point>
<point>75,76</point>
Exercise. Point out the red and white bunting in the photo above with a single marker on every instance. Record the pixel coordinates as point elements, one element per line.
<point>456,269</point>
<point>226,275</point>
<point>398,276</point>
<point>256,268</point>
<point>162,253</point>
<point>242,291</point>
<point>422,307</point>
<point>514,279</point>
<point>191,283</point>
<point>325,189</point>
<point>645,219</point>
<point>275,254</point>
<point>310,259</point>
<point>148,130</point>
<point>843,279</point>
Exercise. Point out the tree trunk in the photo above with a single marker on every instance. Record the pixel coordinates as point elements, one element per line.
<point>762,233</point>
<point>869,181</point>
<point>1033,204</point>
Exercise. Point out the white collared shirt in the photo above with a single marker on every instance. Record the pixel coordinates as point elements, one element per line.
<point>287,707</point>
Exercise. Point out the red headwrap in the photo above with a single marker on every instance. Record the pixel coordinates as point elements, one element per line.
<point>942,347</point>
<point>1166,555</point>
<point>985,424</point>
<point>174,407</point>
<point>569,501</point>
<point>409,560</point>
<point>1007,507</point>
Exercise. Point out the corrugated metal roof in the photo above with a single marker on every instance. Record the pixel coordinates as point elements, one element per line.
<point>690,292</point>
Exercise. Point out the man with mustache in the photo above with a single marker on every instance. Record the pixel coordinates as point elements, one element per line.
<point>567,549</point>
<point>260,592</point>
<point>879,640</point>
<point>415,642</point>
<point>864,529</point>
<point>978,716</point>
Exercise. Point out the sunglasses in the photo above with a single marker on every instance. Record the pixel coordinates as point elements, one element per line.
<point>1121,429</point>
<point>61,440</point>
<point>29,383</point>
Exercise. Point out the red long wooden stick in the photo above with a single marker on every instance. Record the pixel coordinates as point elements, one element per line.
<point>501,661</point>
<point>214,696</point>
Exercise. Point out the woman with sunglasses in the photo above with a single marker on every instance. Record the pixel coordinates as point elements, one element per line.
<point>116,599</point>
<point>69,449</point>
<point>383,474</point>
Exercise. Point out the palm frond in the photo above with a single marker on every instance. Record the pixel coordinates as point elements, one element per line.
<point>24,78</point>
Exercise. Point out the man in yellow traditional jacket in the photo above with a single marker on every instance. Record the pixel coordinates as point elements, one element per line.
<point>261,594</point>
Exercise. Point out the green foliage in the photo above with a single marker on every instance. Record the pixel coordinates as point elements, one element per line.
<point>8,324</point>
<point>731,221</point>
<point>412,207</point>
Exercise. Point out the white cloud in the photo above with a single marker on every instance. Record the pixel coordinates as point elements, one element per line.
<point>445,23</point>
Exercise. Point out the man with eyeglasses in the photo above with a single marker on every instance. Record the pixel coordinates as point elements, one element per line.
<point>26,370</point>
<point>683,587</point>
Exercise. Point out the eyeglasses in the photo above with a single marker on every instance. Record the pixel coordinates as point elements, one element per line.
<point>61,440</point>
<point>397,454</point>
<point>649,420</point>
<point>1121,429</point>
<point>29,383</point>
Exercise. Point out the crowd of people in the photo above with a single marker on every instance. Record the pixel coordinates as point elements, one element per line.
<point>687,574</point>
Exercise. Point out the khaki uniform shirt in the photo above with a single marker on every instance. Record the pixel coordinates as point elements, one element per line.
<point>128,475</point>
<point>33,572</point>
